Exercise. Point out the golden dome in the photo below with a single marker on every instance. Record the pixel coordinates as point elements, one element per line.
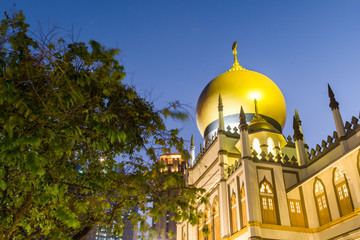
<point>239,87</point>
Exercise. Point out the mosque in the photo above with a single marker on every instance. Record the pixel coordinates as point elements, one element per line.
<point>261,185</point>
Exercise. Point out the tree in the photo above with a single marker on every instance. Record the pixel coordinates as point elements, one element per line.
<point>78,147</point>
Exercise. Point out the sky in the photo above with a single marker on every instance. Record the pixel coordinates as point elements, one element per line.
<point>171,49</point>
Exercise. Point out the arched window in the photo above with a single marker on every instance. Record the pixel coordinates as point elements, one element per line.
<point>296,213</point>
<point>271,146</point>
<point>322,205</point>
<point>256,146</point>
<point>216,217</point>
<point>342,192</point>
<point>208,222</point>
<point>201,225</point>
<point>234,216</point>
<point>183,235</point>
<point>268,210</point>
<point>243,207</point>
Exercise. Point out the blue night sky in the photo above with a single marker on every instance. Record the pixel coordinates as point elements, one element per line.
<point>172,49</point>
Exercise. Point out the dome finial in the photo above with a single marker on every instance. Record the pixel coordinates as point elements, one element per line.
<point>236,65</point>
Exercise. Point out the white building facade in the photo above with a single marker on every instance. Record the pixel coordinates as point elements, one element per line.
<point>261,185</point>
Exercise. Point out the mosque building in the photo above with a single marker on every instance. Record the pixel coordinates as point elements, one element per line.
<point>261,185</point>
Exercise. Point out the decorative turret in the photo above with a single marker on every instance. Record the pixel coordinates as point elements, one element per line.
<point>297,118</point>
<point>243,125</point>
<point>297,133</point>
<point>244,135</point>
<point>192,151</point>
<point>334,105</point>
<point>221,114</point>
<point>299,144</point>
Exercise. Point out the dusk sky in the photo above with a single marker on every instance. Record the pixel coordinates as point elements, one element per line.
<point>172,49</point>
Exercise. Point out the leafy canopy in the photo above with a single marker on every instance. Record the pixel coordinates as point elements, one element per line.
<point>78,147</point>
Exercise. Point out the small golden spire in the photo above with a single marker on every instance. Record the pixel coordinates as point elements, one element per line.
<point>236,65</point>
<point>257,117</point>
<point>296,114</point>
<point>256,108</point>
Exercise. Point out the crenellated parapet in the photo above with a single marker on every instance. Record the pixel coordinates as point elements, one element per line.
<point>325,147</point>
<point>232,168</point>
<point>282,158</point>
<point>290,142</point>
<point>209,142</point>
<point>232,132</point>
<point>333,141</point>
<point>352,127</point>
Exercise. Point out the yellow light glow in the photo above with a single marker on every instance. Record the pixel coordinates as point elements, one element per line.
<point>254,95</point>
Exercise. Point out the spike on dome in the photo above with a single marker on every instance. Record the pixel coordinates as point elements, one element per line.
<point>236,66</point>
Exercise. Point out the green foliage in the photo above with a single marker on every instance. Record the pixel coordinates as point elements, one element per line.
<point>78,147</point>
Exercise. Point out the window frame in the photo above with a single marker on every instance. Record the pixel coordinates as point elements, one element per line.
<point>326,201</point>
<point>337,196</point>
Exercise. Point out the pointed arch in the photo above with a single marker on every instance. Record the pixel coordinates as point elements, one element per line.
<point>216,219</point>
<point>256,146</point>
<point>342,192</point>
<point>244,218</point>
<point>271,146</point>
<point>234,216</point>
<point>208,222</point>
<point>200,226</point>
<point>268,210</point>
<point>322,205</point>
<point>183,233</point>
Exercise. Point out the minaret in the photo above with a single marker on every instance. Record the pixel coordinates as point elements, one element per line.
<point>334,105</point>
<point>244,135</point>
<point>223,161</point>
<point>299,143</point>
<point>192,151</point>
